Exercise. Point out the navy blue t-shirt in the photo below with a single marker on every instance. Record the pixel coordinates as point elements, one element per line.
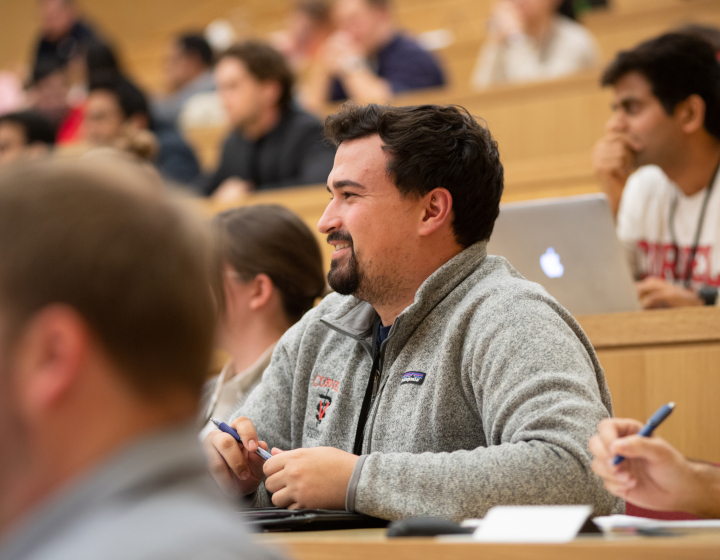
<point>383,333</point>
<point>404,64</point>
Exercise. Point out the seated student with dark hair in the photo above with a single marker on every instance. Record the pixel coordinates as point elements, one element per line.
<point>654,474</point>
<point>188,71</point>
<point>25,135</point>
<point>117,114</point>
<point>48,94</point>
<point>272,274</point>
<point>103,353</point>
<point>658,164</point>
<point>436,381</point>
<point>273,143</point>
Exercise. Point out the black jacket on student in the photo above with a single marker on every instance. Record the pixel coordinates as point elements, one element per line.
<point>293,153</point>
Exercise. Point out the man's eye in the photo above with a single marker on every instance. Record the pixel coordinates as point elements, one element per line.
<point>347,195</point>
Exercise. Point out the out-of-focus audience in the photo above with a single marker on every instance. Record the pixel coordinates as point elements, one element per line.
<point>117,115</point>
<point>12,94</point>
<point>188,71</point>
<point>654,474</point>
<point>530,40</point>
<point>658,164</point>
<point>63,34</point>
<point>98,61</point>
<point>272,275</point>
<point>25,135</point>
<point>273,142</point>
<point>308,27</point>
<point>368,59</point>
<point>104,353</point>
<point>48,94</point>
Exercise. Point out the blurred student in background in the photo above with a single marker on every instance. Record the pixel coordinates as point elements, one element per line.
<point>188,71</point>
<point>272,274</point>
<point>368,59</point>
<point>97,61</point>
<point>103,353</point>
<point>117,115</point>
<point>308,27</point>
<point>48,94</point>
<point>658,165</point>
<point>273,143</point>
<point>25,135</point>
<point>530,40</point>
<point>654,474</point>
<point>62,33</point>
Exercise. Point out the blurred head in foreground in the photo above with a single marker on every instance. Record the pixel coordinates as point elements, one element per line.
<point>106,321</point>
<point>25,135</point>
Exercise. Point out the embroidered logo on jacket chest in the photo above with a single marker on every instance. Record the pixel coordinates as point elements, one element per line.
<point>413,378</point>
<point>325,402</point>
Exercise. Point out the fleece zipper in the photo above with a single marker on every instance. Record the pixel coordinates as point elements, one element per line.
<point>373,387</point>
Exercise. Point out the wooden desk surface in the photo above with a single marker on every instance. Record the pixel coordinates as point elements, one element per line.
<point>656,327</point>
<point>371,544</point>
<point>653,357</point>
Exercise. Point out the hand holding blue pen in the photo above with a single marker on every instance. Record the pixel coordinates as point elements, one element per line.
<point>647,430</point>
<point>223,427</point>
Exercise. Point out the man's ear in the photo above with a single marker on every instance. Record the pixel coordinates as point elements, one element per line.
<point>49,357</point>
<point>436,211</point>
<point>691,114</point>
<point>262,291</point>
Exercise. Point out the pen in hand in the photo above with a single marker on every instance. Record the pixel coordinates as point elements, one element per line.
<point>647,430</point>
<point>223,427</point>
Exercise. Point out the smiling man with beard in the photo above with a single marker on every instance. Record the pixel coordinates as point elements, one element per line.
<point>436,381</point>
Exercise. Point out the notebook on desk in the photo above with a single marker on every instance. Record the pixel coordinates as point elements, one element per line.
<point>274,519</point>
<point>569,246</point>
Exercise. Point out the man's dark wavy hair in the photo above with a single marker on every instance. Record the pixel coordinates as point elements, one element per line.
<point>677,65</point>
<point>433,146</point>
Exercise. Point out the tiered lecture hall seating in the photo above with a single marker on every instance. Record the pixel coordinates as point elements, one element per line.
<point>545,132</point>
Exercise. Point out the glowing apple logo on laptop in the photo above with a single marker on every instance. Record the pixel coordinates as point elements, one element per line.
<point>551,265</point>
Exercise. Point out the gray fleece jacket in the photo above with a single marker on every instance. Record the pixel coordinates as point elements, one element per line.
<point>487,394</point>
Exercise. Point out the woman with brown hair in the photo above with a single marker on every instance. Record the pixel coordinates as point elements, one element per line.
<point>272,274</point>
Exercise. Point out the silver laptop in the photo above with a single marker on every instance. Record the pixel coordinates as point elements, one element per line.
<point>569,246</point>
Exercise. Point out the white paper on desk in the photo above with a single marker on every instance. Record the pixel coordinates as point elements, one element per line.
<point>532,524</point>
<point>623,522</point>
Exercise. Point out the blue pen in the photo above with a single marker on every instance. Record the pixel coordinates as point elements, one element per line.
<point>223,427</point>
<point>647,430</point>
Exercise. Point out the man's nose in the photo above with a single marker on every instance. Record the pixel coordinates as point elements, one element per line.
<point>330,220</point>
